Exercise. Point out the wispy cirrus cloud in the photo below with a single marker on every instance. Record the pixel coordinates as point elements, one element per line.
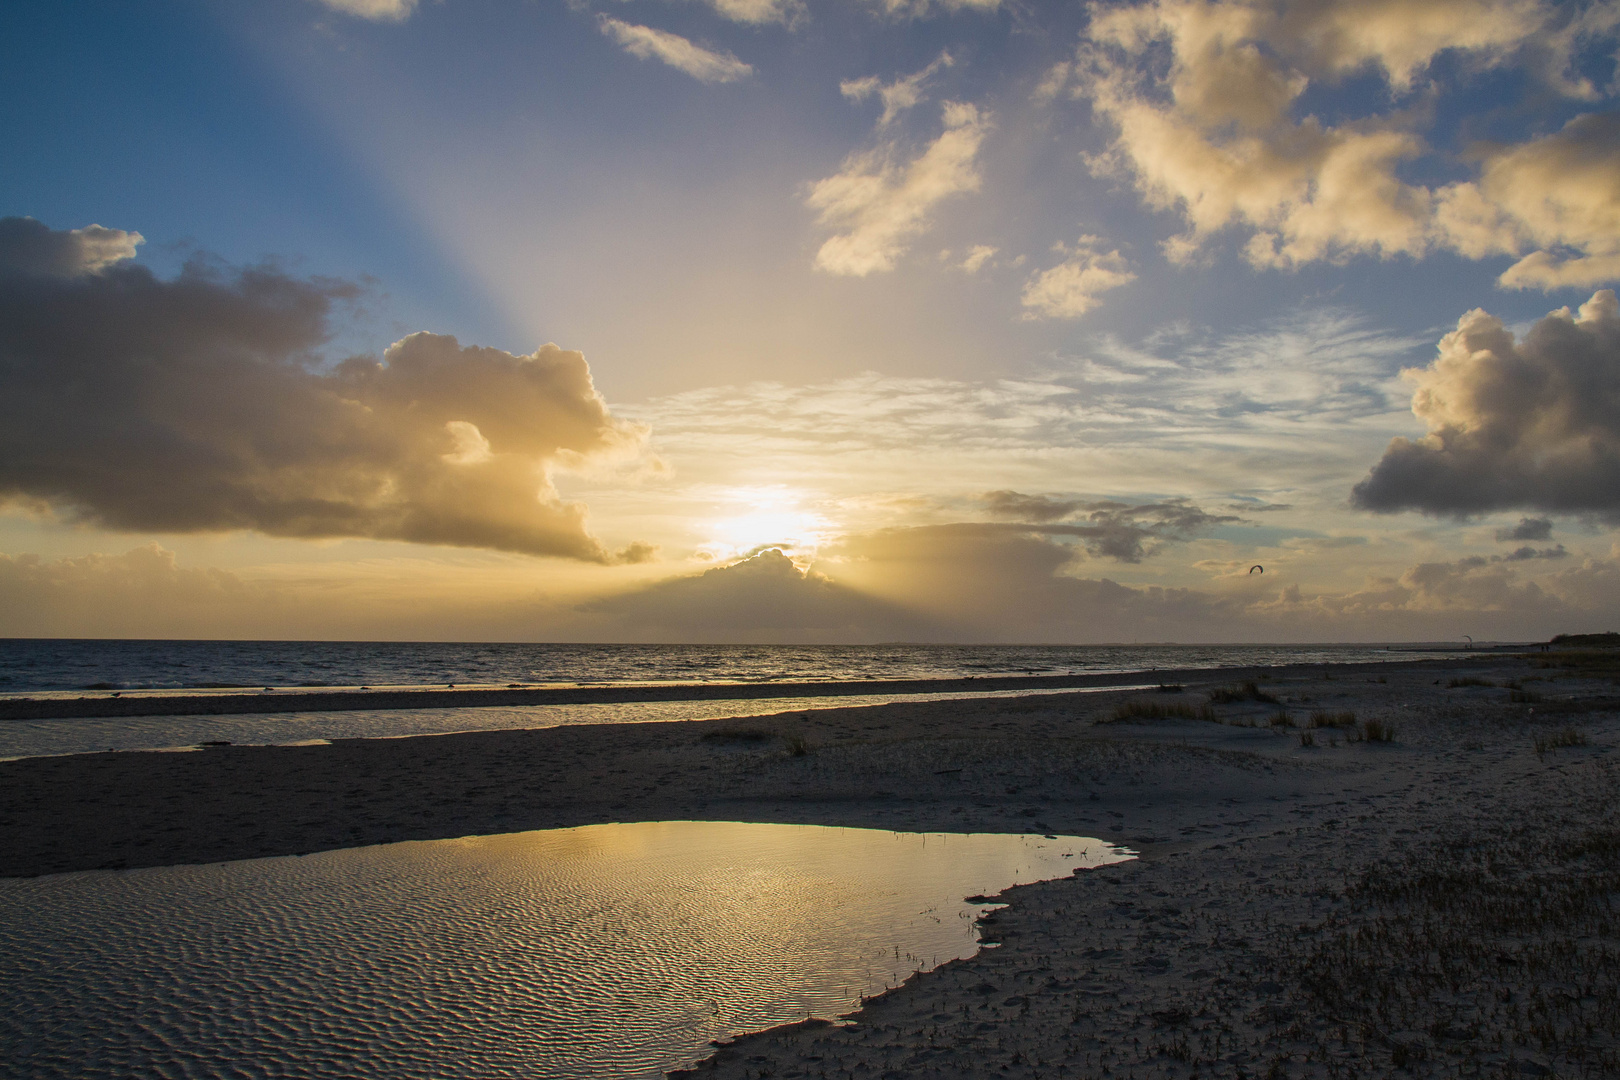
<point>916,9</point>
<point>759,12</point>
<point>376,10</point>
<point>879,205</point>
<point>1290,411</point>
<point>904,93</point>
<point>647,43</point>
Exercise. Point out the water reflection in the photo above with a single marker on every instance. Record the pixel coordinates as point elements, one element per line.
<point>606,950</point>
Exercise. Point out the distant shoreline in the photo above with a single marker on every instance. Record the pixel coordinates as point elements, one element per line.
<point>296,701</point>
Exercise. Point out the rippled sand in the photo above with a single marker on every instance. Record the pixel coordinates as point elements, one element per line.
<point>606,950</point>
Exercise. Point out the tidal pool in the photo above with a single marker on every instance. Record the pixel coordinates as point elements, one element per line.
<point>601,951</point>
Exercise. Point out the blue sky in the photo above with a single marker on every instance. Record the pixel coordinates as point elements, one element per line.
<point>847,269</point>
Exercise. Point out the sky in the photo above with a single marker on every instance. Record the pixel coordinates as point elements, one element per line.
<point>810,320</point>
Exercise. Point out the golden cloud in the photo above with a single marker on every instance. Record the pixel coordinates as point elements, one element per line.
<point>201,403</point>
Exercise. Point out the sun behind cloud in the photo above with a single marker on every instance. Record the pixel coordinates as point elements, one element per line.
<point>762,517</point>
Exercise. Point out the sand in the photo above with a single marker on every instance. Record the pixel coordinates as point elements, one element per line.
<point>1441,904</point>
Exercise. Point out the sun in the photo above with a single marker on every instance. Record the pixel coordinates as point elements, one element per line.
<point>756,517</point>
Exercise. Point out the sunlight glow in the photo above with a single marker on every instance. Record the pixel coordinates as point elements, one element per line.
<point>764,517</point>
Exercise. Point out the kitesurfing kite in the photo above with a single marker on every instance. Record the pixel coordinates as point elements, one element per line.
<point>1258,567</point>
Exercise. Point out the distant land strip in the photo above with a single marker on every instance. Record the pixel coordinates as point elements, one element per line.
<point>295,701</point>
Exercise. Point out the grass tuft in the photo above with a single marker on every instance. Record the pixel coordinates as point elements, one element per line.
<point>1282,719</point>
<point>1147,709</point>
<point>739,735</point>
<point>1558,740</point>
<point>1468,680</point>
<point>1245,691</point>
<point>1321,719</point>
<point>1378,731</point>
<point>1307,738</point>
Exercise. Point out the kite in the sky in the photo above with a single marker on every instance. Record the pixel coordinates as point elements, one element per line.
<point>1258,567</point>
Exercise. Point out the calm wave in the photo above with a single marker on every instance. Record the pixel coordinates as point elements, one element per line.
<point>58,665</point>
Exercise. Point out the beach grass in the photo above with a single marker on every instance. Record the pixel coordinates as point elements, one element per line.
<point>739,735</point>
<point>1324,719</point>
<point>1245,691</point>
<point>1559,740</point>
<point>1482,947</point>
<point>1148,709</point>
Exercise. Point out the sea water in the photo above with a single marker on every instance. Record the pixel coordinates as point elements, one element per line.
<point>602,951</point>
<point>66,667</point>
<point>33,665</point>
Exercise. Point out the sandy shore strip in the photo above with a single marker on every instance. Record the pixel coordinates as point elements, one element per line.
<point>1441,903</point>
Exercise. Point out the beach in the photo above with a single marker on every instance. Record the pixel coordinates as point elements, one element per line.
<point>1288,914</point>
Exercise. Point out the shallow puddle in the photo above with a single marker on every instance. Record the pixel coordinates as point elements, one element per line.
<point>601,951</point>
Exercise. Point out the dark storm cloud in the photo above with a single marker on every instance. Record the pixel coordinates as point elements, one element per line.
<point>1527,529</point>
<point>1528,552</point>
<point>1123,531</point>
<point>1513,424</point>
<point>201,403</point>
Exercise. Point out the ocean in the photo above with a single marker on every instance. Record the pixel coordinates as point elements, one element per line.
<point>58,665</point>
<point>73,668</point>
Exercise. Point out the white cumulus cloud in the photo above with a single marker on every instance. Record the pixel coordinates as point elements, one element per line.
<point>1071,288</point>
<point>1514,423</point>
<point>1211,132</point>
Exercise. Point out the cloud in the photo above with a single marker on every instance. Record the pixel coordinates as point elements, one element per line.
<point>1070,289</point>
<point>978,583</point>
<point>1527,529</point>
<point>1530,423</point>
<point>916,9</point>
<point>880,205</point>
<point>1017,506</point>
<point>902,94</point>
<point>1115,530</point>
<point>1527,552</point>
<point>1212,135</point>
<point>140,593</point>
<point>702,64</point>
<point>201,403</point>
<point>1557,197</point>
<point>32,247</point>
<point>1295,406</point>
<point>765,592</point>
<point>378,10</point>
<point>759,12</point>
<point>977,256</point>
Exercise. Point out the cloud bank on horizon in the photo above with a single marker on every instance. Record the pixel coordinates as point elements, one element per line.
<point>969,333</point>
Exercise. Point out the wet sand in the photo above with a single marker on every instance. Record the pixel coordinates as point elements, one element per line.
<point>1288,916</point>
